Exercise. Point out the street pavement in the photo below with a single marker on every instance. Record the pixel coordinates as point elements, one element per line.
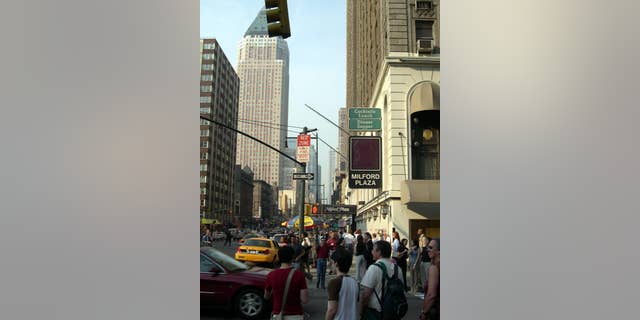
<point>317,305</point>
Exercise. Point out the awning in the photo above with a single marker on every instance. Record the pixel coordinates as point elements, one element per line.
<point>425,96</point>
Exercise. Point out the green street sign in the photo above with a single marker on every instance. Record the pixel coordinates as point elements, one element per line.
<point>364,113</point>
<point>365,124</point>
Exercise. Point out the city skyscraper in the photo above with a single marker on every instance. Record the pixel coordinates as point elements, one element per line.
<point>219,86</point>
<point>263,68</point>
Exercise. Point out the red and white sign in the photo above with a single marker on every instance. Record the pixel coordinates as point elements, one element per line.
<point>302,154</point>
<point>304,140</point>
<point>302,151</point>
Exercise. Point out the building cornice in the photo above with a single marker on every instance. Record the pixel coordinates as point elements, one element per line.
<point>400,61</point>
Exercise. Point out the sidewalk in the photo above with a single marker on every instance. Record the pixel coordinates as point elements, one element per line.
<point>319,296</point>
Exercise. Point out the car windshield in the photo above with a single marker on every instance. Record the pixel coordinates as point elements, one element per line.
<point>226,261</point>
<point>258,243</point>
<point>252,235</point>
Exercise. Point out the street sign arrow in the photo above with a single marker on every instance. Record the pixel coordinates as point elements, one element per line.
<point>302,176</point>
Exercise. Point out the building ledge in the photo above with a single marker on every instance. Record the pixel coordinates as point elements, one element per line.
<point>422,197</point>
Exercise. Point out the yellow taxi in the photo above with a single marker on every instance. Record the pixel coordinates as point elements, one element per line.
<point>258,250</point>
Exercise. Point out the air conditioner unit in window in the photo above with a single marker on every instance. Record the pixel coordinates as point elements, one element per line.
<point>424,4</point>
<point>425,46</point>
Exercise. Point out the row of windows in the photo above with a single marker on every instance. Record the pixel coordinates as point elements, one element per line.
<point>206,110</point>
<point>206,77</point>
<point>208,56</point>
<point>204,133</point>
<point>209,45</point>
<point>206,88</point>
<point>204,167</point>
<point>204,144</point>
<point>205,99</point>
<point>203,179</point>
<point>207,66</point>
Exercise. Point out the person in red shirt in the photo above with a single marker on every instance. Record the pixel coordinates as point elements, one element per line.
<point>275,285</point>
<point>322,254</point>
<point>333,243</point>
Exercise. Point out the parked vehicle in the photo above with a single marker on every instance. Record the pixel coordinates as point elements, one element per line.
<point>258,250</point>
<point>227,283</point>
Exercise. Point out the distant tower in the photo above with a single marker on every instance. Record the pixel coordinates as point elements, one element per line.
<point>263,68</point>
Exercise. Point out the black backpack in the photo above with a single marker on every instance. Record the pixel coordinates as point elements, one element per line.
<point>393,301</point>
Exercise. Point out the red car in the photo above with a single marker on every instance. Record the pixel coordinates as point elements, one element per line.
<point>225,282</point>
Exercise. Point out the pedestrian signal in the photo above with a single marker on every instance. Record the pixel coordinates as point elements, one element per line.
<point>315,209</point>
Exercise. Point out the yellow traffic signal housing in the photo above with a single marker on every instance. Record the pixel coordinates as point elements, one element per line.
<point>278,18</point>
<point>307,209</point>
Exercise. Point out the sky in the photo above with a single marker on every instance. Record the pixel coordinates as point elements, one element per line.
<point>317,55</point>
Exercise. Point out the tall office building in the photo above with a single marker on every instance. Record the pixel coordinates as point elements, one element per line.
<point>263,68</point>
<point>393,64</point>
<point>219,86</point>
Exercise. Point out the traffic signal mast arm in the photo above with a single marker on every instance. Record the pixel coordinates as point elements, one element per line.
<point>255,139</point>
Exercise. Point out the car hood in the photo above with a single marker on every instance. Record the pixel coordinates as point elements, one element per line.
<point>256,272</point>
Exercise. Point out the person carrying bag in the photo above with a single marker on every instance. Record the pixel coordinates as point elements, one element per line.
<point>280,316</point>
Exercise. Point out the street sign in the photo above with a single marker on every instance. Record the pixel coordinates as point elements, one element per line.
<point>365,119</point>
<point>365,124</point>
<point>302,154</point>
<point>365,165</point>
<point>302,151</point>
<point>302,176</point>
<point>337,209</point>
<point>364,113</point>
<point>304,140</point>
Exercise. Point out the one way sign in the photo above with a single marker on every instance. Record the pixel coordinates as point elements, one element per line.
<point>302,176</point>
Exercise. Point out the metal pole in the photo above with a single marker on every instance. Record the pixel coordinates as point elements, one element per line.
<point>301,197</point>
<point>301,193</point>
<point>317,171</point>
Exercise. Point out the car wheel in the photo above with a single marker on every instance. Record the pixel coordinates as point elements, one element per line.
<point>250,304</point>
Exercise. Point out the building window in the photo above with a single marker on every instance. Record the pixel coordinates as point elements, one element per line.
<point>206,77</point>
<point>424,29</point>
<point>203,191</point>
<point>203,179</point>
<point>209,45</point>
<point>204,156</point>
<point>207,66</point>
<point>205,122</point>
<point>204,133</point>
<point>203,167</point>
<point>203,202</point>
<point>208,56</point>
<point>206,99</point>
<point>208,88</point>
<point>204,144</point>
<point>205,110</point>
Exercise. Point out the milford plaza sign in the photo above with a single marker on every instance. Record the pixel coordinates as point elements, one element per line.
<point>365,167</point>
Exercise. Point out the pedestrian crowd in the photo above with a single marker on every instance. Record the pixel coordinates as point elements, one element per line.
<point>376,291</point>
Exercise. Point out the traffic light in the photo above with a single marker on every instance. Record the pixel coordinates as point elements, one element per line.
<point>278,18</point>
<point>315,209</point>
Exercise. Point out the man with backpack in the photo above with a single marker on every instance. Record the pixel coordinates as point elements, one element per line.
<point>382,296</point>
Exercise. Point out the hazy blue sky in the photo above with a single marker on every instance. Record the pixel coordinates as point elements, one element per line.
<point>317,53</point>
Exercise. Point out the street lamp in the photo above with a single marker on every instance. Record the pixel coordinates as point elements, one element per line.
<point>384,210</point>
